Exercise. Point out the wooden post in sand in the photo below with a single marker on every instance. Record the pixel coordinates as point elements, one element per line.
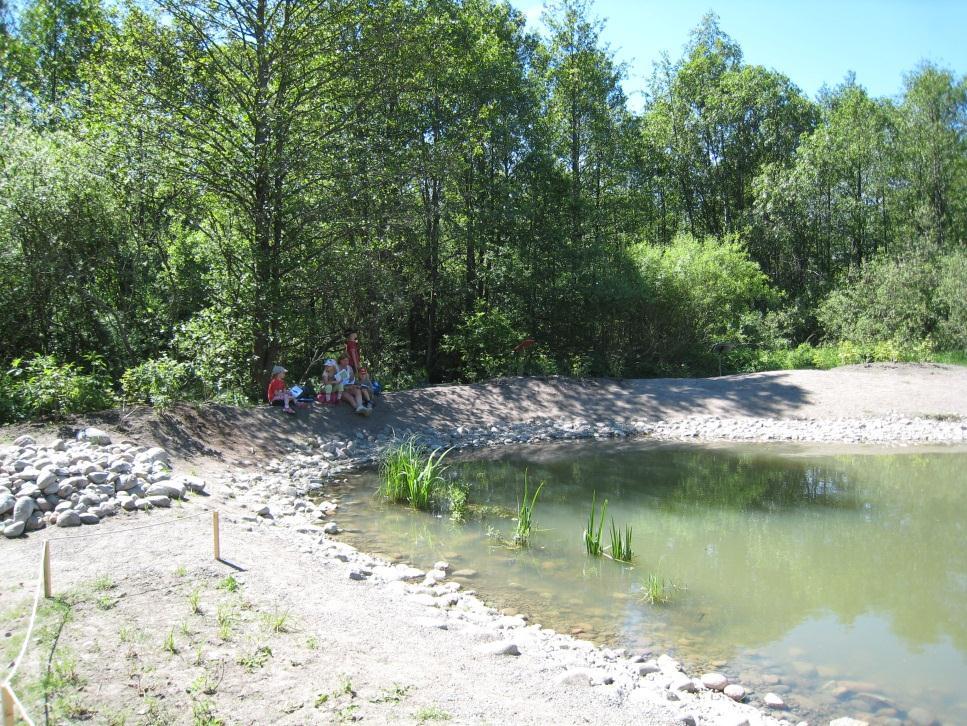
<point>6,696</point>
<point>47,587</point>
<point>215,541</point>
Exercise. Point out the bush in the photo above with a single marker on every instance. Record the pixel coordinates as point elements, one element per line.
<point>898,302</point>
<point>829,356</point>
<point>692,294</point>
<point>160,382</point>
<point>952,301</point>
<point>214,344</point>
<point>485,343</point>
<point>43,386</point>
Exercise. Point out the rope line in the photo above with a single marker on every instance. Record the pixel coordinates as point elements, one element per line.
<point>18,705</point>
<point>8,681</point>
<point>30,628</point>
<point>130,529</point>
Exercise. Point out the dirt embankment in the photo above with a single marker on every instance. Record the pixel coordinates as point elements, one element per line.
<point>226,435</point>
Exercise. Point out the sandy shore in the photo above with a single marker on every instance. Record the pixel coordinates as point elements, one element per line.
<point>414,646</point>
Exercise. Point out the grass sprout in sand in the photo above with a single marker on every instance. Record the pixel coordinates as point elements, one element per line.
<point>621,543</point>
<point>411,475</point>
<point>592,537</point>
<point>525,515</point>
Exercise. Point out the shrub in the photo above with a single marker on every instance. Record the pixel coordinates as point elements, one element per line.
<point>692,294</point>
<point>952,300</point>
<point>43,386</point>
<point>900,302</point>
<point>160,382</point>
<point>485,342</point>
<point>214,344</point>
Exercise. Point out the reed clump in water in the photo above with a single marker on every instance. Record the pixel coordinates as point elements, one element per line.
<point>409,474</point>
<point>621,543</point>
<point>525,515</point>
<point>592,536</point>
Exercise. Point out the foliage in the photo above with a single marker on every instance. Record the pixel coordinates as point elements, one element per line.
<point>592,536</point>
<point>484,344</point>
<point>411,475</point>
<point>951,300</point>
<point>168,208</point>
<point>160,382</point>
<point>42,386</point>
<point>655,589</point>
<point>621,543</point>
<point>525,515</point>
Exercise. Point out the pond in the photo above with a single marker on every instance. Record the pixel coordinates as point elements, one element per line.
<point>835,577</point>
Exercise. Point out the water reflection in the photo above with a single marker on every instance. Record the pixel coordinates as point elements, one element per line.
<point>778,548</point>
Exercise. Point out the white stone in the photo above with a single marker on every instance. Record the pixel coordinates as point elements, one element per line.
<point>499,647</point>
<point>773,700</point>
<point>94,436</point>
<point>734,691</point>
<point>682,683</point>
<point>847,721</point>
<point>715,681</point>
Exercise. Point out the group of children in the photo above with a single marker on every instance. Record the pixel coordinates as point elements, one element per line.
<point>343,379</point>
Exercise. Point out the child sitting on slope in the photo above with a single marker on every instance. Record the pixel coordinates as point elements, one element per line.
<point>278,394</point>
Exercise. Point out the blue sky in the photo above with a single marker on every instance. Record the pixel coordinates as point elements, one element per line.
<point>811,41</point>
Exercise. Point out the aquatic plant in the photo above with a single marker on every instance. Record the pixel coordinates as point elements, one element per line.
<point>458,500</point>
<point>655,589</point>
<point>411,475</point>
<point>620,543</point>
<point>525,515</point>
<point>592,537</point>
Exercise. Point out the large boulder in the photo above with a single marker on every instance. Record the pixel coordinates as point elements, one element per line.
<point>14,529</point>
<point>94,436</point>
<point>70,518</point>
<point>173,489</point>
<point>23,509</point>
<point>155,453</point>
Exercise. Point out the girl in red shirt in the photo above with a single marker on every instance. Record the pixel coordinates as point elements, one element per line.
<point>278,393</point>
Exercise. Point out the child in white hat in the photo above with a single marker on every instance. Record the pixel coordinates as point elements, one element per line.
<point>278,394</point>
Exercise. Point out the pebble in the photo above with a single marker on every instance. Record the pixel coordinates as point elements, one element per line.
<point>734,691</point>
<point>682,683</point>
<point>774,700</point>
<point>715,681</point>
<point>847,721</point>
<point>500,647</point>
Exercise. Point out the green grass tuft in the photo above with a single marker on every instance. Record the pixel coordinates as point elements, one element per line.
<point>656,590</point>
<point>525,515</point>
<point>229,584</point>
<point>411,475</point>
<point>621,543</point>
<point>592,536</point>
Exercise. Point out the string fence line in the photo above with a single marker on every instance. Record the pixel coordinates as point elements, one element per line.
<point>11,704</point>
<point>7,685</point>
<point>108,532</point>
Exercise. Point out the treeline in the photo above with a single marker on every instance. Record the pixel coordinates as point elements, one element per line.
<point>191,192</point>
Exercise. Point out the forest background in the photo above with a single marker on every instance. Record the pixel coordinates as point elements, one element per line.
<point>192,192</point>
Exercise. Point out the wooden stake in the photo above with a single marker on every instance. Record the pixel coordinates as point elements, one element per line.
<point>8,712</point>
<point>47,587</point>
<point>215,542</point>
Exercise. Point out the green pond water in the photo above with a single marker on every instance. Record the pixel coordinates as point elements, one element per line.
<point>835,577</point>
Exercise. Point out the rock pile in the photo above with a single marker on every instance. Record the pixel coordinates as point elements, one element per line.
<point>69,483</point>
